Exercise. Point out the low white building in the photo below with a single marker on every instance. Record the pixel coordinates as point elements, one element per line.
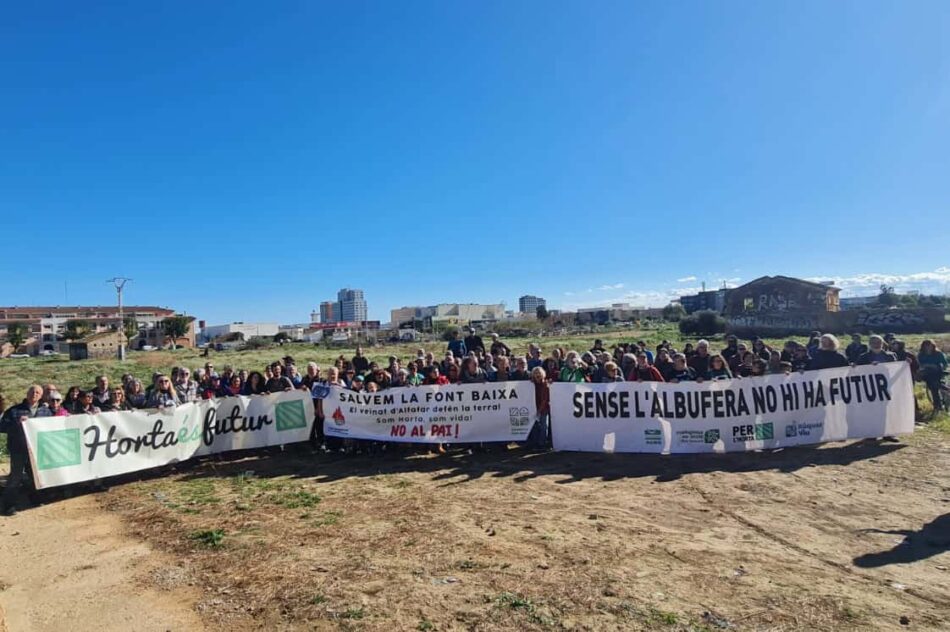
<point>247,330</point>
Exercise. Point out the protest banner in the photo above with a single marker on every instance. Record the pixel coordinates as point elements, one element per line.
<point>457,413</point>
<point>65,450</point>
<point>772,411</point>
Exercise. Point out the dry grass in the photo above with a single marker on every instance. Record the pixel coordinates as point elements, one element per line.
<point>511,540</point>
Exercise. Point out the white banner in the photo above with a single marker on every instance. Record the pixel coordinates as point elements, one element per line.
<point>772,411</point>
<point>77,448</point>
<point>458,413</point>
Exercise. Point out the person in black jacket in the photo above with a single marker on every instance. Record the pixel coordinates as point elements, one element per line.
<point>827,356</point>
<point>360,362</point>
<point>12,424</point>
<point>856,349</point>
<point>474,342</point>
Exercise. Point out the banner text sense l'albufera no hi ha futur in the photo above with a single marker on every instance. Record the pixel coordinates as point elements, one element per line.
<point>771,411</point>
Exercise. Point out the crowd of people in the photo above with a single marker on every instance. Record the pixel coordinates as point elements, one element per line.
<point>466,360</point>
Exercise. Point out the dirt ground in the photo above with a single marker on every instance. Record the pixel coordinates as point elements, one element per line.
<point>845,536</point>
<point>69,566</point>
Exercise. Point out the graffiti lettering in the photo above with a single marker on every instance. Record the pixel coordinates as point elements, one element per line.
<point>893,318</point>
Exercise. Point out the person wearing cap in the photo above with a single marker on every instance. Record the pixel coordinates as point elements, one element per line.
<point>876,353</point>
<point>856,349</point>
<point>12,424</point>
<point>55,402</point>
<point>473,342</point>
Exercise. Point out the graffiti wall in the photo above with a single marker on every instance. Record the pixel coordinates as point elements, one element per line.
<point>914,320</point>
<point>778,322</point>
<point>772,295</point>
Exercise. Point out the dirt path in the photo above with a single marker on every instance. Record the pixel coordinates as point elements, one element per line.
<point>849,536</point>
<point>67,566</point>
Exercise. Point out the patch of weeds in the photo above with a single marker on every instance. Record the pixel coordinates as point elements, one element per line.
<point>353,613</point>
<point>316,600</point>
<point>468,565</point>
<point>327,519</point>
<point>520,603</point>
<point>849,614</point>
<point>425,625</point>
<point>198,492</point>
<point>295,499</point>
<point>209,537</point>
<point>661,616</point>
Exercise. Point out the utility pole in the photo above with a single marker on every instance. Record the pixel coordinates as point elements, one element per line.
<point>119,283</point>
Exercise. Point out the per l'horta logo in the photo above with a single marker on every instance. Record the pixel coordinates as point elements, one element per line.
<point>338,417</point>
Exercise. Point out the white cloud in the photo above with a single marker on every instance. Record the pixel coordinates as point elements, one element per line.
<point>607,288</point>
<point>934,282</point>
<point>636,298</point>
<point>686,279</point>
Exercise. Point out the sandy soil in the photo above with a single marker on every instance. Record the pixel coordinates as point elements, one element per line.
<point>67,566</point>
<point>848,536</point>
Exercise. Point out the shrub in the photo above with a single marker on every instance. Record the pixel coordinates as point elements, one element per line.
<point>704,323</point>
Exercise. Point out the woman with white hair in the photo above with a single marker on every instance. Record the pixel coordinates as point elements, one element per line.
<point>827,356</point>
<point>574,369</point>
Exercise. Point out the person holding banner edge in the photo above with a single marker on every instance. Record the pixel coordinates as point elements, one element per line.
<point>12,425</point>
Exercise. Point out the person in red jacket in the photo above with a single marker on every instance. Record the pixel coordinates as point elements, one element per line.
<point>433,377</point>
<point>539,436</point>
<point>644,371</point>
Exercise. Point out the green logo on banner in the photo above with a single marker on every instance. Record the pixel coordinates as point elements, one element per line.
<point>290,415</point>
<point>763,431</point>
<point>57,448</point>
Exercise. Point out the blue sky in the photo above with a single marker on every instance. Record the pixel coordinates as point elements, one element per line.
<point>243,161</point>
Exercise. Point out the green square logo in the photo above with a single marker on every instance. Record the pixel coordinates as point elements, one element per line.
<point>58,448</point>
<point>290,415</point>
<point>764,431</point>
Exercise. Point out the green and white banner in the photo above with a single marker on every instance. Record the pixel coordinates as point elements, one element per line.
<point>772,411</point>
<point>457,413</point>
<point>65,450</point>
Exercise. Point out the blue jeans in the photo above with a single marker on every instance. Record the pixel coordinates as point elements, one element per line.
<point>539,437</point>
